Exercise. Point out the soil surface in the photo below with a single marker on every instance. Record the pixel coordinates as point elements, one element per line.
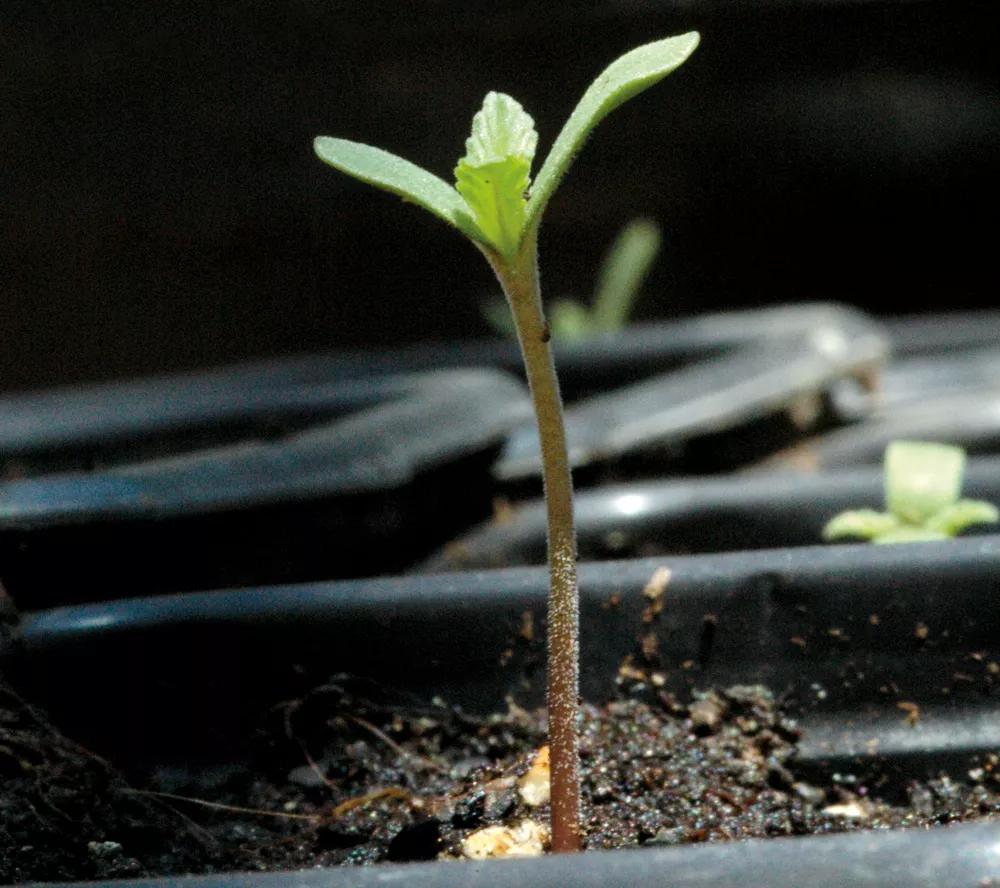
<point>348,775</point>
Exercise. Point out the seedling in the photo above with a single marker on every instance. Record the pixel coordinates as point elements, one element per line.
<point>923,483</point>
<point>623,270</point>
<point>495,204</point>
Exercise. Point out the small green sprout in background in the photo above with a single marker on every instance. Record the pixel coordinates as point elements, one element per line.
<point>496,205</point>
<point>923,483</point>
<point>623,271</point>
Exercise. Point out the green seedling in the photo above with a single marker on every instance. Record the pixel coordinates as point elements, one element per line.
<point>623,271</point>
<point>496,205</point>
<point>923,483</point>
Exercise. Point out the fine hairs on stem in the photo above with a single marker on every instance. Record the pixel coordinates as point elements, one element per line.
<point>519,280</point>
<point>497,206</point>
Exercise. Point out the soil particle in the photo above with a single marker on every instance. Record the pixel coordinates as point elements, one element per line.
<point>526,839</point>
<point>67,814</point>
<point>706,714</point>
<point>350,775</point>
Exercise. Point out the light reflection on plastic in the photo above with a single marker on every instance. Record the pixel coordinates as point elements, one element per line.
<point>831,342</point>
<point>631,503</point>
<point>95,622</point>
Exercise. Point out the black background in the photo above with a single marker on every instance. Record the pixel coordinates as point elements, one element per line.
<point>162,208</point>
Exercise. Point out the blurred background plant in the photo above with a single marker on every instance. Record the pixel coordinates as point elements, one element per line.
<point>923,485</point>
<point>623,271</point>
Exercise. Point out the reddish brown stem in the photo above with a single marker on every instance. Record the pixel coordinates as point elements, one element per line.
<point>519,278</point>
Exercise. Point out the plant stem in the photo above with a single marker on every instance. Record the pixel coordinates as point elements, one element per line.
<point>519,279</point>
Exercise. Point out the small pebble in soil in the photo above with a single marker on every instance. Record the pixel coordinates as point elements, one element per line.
<point>534,785</point>
<point>103,850</point>
<point>524,839</point>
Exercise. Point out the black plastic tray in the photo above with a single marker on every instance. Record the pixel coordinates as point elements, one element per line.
<point>178,680</point>
<point>941,385</point>
<point>717,514</point>
<point>663,384</point>
<point>345,495</point>
<point>355,465</point>
<point>964,856</point>
<point>181,679</point>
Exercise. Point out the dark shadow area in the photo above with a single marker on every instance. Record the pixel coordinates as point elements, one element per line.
<point>162,208</point>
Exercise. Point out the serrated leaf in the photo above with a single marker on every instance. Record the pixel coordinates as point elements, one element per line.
<point>921,479</point>
<point>864,524</point>
<point>501,129</point>
<point>627,77</point>
<point>494,175</point>
<point>392,173</point>
<point>953,519</point>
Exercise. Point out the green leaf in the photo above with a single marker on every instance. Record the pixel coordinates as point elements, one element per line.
<point>953,519</point>
<point>627,77</point>
<point>392,173</point>
<point>865,524</point>
<point>494,175</point>
<point>623,271</point>
<point>492,193</point>
<point>921,479</point>
<point>501,129</point>
<point>570,320</point>
<point>909,534</point>
<point>922,485</point>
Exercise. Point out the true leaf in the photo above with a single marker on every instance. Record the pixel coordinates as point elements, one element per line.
<point>627,77</point>
<point>494,175</point>
<point>922,478</point>
<point>501,128</point>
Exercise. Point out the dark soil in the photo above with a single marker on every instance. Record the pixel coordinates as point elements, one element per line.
<point>66,813</point>
<point>348,775</point>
